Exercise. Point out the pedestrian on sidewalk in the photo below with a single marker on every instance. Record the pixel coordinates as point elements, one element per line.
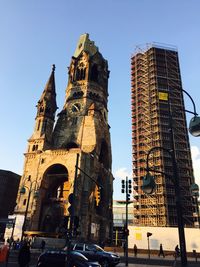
<point>161,251</point>
<point>3,251</point>
<point>177,252</point>
<point>135,250</point>
<point>24,255</point>
<point>124,248</point>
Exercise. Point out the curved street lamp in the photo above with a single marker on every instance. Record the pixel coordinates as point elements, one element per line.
<point>149,187</point>
<point>194,125</point>
<point>23,192</point>
<point>149,184</point>
<point>149,181</point>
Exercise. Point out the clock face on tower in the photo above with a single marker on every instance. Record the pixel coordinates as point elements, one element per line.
<point>75,108</point>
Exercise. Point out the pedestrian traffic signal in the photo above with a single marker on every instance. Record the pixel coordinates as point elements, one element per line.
<point>123,186</point>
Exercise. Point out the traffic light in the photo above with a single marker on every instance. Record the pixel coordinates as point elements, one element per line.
<point>128,197</point>
<point>99,193</point>
<point>129,186</point>
<point>123,186</point>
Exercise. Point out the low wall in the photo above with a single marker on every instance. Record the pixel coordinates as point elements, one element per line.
<point>167,236</point>
<point>49,242</point>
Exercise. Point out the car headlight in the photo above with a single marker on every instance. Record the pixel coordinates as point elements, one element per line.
<point>113,256</point>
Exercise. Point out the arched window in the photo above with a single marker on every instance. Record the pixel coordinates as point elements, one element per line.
<point>38,128</point>
<point>77,74</point>
<point>80,74</point>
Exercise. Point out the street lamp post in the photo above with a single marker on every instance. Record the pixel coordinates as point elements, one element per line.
<point>195,194</point>
<point>126,188</point>
<point>148,235</point>
<point>73,196</point>
<point>22,192</point>
<point>175,180</point>
<point>149,181</point>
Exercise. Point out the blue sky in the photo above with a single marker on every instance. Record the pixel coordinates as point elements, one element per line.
<point>36,34</point>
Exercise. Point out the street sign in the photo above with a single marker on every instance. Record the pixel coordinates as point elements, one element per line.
<point>7,221</point>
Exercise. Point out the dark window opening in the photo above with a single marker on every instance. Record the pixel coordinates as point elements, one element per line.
<point>48,110</point>
<point>38,125</point>
<point>104,157</point>
<point>71,145</point>
<point>94,73</point>
<point>78,94</point>
<point>80,74</point>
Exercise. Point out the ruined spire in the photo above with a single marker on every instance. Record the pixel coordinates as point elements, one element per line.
<point>47,103</point>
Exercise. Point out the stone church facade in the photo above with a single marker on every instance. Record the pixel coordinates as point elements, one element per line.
<point>68,160</point>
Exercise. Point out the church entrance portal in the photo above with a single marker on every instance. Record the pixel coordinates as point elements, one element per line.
<point>54,192</point>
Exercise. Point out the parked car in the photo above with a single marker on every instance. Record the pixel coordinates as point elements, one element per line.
<point>95,253</point>
<point>60,258</point>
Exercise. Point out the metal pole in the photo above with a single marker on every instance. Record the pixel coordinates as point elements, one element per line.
<point>148,247</point>
<point>198,215</point>
<point>126,224</point>
<point>71,229</point>
<point>11,240</point>
<point>178,198</point>
<point>116,237</point>
<point>26,212</point>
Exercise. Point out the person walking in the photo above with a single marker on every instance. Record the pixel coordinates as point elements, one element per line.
<point>135,250</point>
<point>177,252</point>
<point>124,248</point>
<point>3,251</point>
<point>161,251</point>
<point>24,255</point>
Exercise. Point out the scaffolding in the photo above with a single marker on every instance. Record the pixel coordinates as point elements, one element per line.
<point>156,87</point>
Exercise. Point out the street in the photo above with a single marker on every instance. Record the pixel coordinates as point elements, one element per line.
<point>142,260</point>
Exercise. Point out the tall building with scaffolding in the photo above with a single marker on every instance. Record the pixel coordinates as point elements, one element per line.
<point>157,101</point>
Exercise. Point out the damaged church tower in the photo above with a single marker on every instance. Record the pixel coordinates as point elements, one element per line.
<point>67,180</point>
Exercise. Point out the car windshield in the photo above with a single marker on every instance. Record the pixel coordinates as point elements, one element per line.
<point>79,256</point>
<point>93,248</point>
